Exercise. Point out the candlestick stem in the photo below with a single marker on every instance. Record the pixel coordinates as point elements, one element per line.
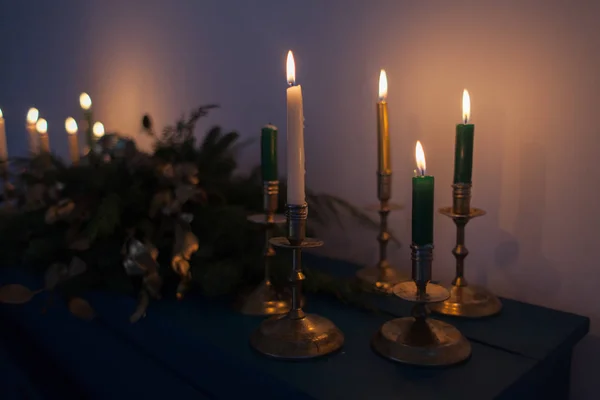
<point>264,299</point>
<point>465,300</point>
<point>383,276</point>
<point>297,335</point>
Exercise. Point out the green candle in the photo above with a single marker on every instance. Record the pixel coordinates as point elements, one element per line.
<point>268,153</point>
<point>422,202</point>
<point>85,102</point>
<point>463,151</point>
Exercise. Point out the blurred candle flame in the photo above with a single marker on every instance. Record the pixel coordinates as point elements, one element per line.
<point>420,155</point>
<point>85,101</point>
<point>32,115</point>
<point>1,115</point>
<point>291,69</point>
<point>383,85</point>
<point>41,126</point>
<point>71,125</point>
<point>98,129</point>
<point>466,106</point>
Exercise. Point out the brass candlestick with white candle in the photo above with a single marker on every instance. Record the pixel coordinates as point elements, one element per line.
<point>42,128</point>
<point>296,335</point>
<point>465,300</point>
<point>382,277</point>
<point>71,128</point>
<point>418,339</point>
<point>32,133</point>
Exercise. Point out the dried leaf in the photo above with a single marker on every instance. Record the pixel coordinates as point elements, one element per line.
<point>15,294</point>
<point>81,309</point>
<point>55,274</point>
<point>77,267</point>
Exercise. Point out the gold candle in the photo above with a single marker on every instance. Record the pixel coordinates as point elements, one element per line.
<point>71,127</point>
<point>32,117</point>
<point>383,134</point>
<point>42,128</point>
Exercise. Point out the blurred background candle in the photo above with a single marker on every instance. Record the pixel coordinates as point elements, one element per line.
<point>3,147</point>
<point>98,130</point>
<point>33,136</point>
<point>268,153</point>
<point>85,102</point>
<point>295,137</point>
<point>422,202</point>
<point>383,134</point>
<point>42,129</point>
<point>71,128</point>
<point>463,153</point>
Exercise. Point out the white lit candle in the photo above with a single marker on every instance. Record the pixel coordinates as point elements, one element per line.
<point>42,127</point>
<point>3,148</point>
<point>98,130</point>
<point>71,128</point>
<point>295,137</point>
<point>85,102</point>
<point>32,117</point>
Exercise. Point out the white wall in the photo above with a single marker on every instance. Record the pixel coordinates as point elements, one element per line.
<point>532,68</point>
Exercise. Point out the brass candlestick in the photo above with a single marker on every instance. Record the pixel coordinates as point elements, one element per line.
<point>264,300</point>
<point>297,335</point>
<point>420,340</point>
<point>382,277</point>
<point>465,300</point>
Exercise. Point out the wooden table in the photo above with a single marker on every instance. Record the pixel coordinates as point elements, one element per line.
<point>198,348</point>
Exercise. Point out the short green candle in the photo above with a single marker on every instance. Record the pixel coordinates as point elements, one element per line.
<point>422,210</point>
<point>268,153</point>
<point>463,153</point>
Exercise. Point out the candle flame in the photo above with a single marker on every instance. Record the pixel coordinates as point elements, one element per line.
<point>383,85</point>
<point>71,126</point>
<point>1,115</point>
<point>32,115</point>
<point>466,106</point>
<point>41,126</point>
<point>98,129</point>
<point>420,155</point>
<point>85,101</point>
<point>291,69</point>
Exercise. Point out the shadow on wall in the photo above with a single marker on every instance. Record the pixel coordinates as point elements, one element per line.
<point>529,229</point>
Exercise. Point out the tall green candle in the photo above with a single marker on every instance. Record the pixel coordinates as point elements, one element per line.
<point>85,102</point>
<point>422,202</point>
<point>268,153</point>
<point>463,151</point>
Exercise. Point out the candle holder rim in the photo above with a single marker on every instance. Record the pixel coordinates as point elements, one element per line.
<point>408,291</point>
<point>474,213</point>
<point>278,219</point>
<point>283,242</point>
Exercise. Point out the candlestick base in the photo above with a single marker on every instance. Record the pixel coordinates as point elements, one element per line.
<point>381,278</point>
<point>423,342</point>
<point>470,301</point>
<point>264,300</point>
<point>290,338</point>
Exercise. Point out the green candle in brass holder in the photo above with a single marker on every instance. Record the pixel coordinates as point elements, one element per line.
<point>264,300</point>
<point>420,340</point>
<point>296,335</point>
<point>382,277</point>
<point>465,300</point>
